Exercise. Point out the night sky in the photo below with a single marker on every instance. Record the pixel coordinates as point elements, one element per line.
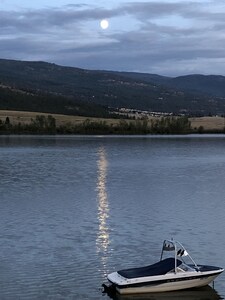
<point>157,36</point>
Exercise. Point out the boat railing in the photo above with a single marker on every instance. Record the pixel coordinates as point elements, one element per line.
<point>179,252</point>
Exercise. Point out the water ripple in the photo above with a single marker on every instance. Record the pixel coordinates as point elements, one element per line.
<point>76,208</point>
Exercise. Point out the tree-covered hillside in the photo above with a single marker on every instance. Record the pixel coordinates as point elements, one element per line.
<point>51,88</point>
<point>13,99</point>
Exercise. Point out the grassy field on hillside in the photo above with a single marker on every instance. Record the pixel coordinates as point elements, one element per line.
<point>209,123</point>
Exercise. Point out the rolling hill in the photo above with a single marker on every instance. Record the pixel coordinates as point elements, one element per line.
<point>47,87</point>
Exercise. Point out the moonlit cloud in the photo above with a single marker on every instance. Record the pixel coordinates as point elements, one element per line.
<point>164,37</point>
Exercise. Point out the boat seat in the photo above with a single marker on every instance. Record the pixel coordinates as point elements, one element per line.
<point>160,268</point>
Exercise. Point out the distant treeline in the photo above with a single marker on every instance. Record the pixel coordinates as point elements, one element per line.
<point>47,125</point>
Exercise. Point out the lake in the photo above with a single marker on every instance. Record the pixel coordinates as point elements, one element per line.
<point>75,208</point>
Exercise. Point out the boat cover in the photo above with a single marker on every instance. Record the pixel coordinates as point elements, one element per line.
<point>159,268</point>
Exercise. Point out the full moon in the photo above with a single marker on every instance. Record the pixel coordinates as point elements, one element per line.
<point>104,24</point>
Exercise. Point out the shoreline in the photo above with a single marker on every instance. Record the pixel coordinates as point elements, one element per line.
<point>203,125</point>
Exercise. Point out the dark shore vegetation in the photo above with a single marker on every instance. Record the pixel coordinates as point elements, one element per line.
<point>47,125</point>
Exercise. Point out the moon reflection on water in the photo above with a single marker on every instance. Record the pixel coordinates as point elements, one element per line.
<point>102,240</point>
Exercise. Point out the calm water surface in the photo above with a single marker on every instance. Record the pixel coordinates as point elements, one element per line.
<point>75,208</point>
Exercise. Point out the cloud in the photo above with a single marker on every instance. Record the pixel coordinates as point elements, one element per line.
<point>143,36</point>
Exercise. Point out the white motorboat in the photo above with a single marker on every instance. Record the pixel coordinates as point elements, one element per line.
<point>176,272</point>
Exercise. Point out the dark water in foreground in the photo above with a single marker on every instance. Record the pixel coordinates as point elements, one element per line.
<point>76,208</point>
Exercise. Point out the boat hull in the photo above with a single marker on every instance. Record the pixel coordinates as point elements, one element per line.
<point>167,285</point>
